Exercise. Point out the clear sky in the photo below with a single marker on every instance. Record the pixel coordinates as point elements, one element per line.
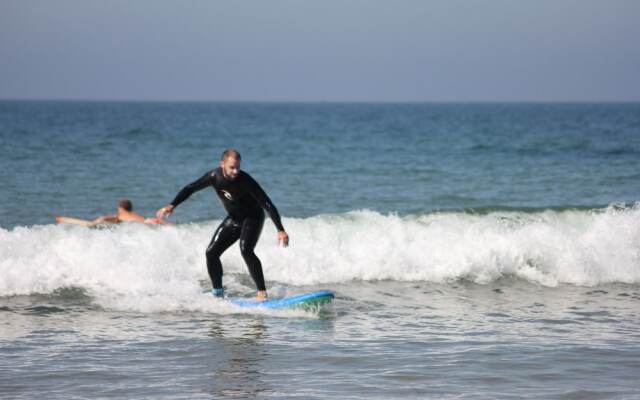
<point>328,50</point>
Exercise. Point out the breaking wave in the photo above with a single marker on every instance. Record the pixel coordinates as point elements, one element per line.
<point>145,267</point>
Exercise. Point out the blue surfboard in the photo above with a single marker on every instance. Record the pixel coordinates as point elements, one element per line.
<point>304,301</point>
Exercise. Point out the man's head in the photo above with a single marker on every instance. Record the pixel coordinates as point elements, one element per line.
<point>125,205</point>
<point>230,163</point>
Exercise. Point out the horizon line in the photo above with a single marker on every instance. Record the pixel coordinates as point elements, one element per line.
<point>77,100</point>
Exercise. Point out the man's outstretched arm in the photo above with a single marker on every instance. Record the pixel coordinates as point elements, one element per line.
<point>185,193</point>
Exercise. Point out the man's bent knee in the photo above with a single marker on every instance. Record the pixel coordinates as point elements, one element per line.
<point>212,253</point>
<point>248,254</point>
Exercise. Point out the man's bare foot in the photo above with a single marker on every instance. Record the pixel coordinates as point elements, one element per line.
<point>261,295</point>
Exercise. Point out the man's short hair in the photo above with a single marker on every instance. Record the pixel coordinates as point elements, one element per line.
<point>125,205</point>
<point>230,153</point>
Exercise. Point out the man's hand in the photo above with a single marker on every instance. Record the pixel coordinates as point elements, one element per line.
<point>164,211</point>
<point>283,238</point>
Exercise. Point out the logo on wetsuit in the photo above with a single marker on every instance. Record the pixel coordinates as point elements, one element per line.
<point>227,194</point>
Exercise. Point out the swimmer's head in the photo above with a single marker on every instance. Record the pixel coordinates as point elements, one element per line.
<point>125,205</point>
<point>230,163</point>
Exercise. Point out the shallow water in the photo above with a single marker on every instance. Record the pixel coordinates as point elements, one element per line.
<point>507,339</point>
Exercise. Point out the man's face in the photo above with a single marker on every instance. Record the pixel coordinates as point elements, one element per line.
<point>230,167</point>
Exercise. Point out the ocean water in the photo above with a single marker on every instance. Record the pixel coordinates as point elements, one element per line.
<point>476,251</point>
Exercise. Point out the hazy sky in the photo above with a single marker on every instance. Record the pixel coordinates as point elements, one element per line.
<point>350,50</point>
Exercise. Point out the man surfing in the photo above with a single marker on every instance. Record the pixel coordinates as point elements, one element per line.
<point>244,201</point>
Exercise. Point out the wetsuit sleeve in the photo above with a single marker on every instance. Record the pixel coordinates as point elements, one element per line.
<point>204,181</point>
<point>263,200</point>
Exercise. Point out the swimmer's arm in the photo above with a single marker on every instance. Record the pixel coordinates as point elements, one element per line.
<point>106,219</point>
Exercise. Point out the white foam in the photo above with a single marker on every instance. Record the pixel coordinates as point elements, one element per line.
<point>138,267</point>
<point>575,247</point>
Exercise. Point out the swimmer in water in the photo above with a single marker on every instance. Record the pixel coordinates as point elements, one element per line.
<point>125,213</point>
<point>244,201</point>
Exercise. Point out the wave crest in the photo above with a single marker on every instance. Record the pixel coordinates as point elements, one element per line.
<point>140,262</point>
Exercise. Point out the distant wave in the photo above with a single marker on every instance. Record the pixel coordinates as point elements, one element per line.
<point>129,266</point>
<point>490,209</point>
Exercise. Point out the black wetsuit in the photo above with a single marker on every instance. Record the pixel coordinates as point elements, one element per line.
<point>244,201</point>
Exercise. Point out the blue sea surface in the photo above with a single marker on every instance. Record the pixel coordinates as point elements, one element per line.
<point>475,250</point>
<point>79,158</point>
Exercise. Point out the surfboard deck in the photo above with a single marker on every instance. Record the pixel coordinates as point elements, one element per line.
<point>304,301</point>
<point>74,221</point>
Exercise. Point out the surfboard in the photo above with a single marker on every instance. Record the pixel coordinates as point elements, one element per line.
<point>75,221</point>
<point>304,301</point>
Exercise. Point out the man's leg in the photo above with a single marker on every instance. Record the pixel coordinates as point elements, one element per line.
<point>251,229</point>
<point>226,234</point>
